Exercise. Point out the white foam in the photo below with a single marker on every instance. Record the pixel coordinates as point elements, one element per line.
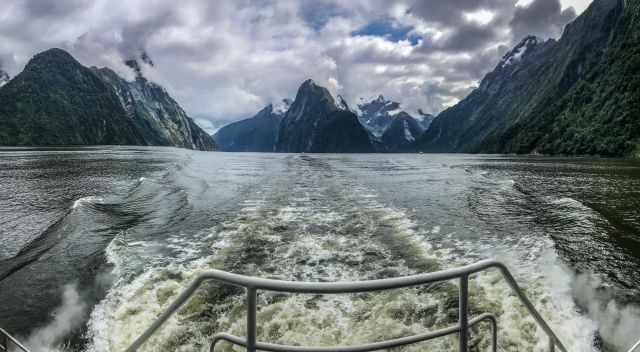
<point>342,252</point>
<point>86,200</point>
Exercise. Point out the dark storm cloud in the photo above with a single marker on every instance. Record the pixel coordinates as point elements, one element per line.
<point>463,38</point>
<point>450,12</point>
<point>543,18</point>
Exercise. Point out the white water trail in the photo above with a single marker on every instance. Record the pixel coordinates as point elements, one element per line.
<point>66,318</point>
<point>618,325</point>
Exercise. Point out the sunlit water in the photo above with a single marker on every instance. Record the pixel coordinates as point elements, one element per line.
<point>98,241</point>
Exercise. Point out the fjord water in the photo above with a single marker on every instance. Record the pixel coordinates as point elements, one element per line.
<point>97,241</point>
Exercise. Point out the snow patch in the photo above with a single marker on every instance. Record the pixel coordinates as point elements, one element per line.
<point>407,132</point>
<point>516,54</point>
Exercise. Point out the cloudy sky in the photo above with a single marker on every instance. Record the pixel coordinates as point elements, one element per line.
<point>224,60</point>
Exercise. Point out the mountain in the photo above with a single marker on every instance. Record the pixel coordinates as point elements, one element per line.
<point>157,116</point>
<point>58,101</point>
<point>4,78</point>
<point>402,133</point>
<point>315,123</point>
<point>255,134</point>
<point>577,95</point>
<point>425,119</point>
<point>377,114</point>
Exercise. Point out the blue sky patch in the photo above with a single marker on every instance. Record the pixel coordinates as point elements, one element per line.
<point>389,31</point>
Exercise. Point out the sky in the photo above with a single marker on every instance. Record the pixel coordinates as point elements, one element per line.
<point>225,60</point>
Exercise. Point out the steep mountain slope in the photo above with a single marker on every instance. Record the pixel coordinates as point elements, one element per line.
<point>315,123</point>
<point>255,134</point>
<point>56,100</point>
<point>402,132</point>
<point>578,95</point>
<point>377,114</point>
<point>158,117</point>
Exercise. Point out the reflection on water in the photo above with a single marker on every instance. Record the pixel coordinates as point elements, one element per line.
<point>124,229</point>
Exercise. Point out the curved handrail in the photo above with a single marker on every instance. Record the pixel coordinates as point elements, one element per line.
<point>633,348</point>
<point>376,346</point>
<point>253,284</point>
<point>7,337</point>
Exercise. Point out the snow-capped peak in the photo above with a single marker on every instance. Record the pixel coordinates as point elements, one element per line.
<point>516,54</point>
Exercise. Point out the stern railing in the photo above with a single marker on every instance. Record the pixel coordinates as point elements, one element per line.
<point>252,285</point>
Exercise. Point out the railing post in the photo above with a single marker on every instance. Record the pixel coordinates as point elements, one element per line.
<point>552,345</point>
<point>462,314</point>
<point>4,342</point>
<point>252,297</point>
<point>494,335</point>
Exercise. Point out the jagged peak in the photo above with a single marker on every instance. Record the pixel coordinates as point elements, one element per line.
<point>309,87</point>
<point>520,50</point>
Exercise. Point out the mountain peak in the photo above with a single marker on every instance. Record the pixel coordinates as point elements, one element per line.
<point>311,93</point>
<point>308,83</point>
<point>50,56</point>
<point>519,51</point>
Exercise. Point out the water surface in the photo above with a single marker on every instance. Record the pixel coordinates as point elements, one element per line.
<point>105,238</point>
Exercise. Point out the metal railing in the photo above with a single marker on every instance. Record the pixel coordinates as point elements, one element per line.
<point>6,340</point>
<point>252,285</point>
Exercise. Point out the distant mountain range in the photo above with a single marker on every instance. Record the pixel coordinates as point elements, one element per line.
<point>317,122</point>
<point>579,95</point>
<point>57,101</point>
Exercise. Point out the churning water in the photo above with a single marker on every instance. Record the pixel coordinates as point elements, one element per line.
<point>98,241</point>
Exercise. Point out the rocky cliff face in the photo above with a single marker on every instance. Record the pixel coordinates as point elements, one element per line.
<point>159,118</point>
<point>578,95</point>
<point>57,101</point>
<point>255,134</point>
<point>315,123</point>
